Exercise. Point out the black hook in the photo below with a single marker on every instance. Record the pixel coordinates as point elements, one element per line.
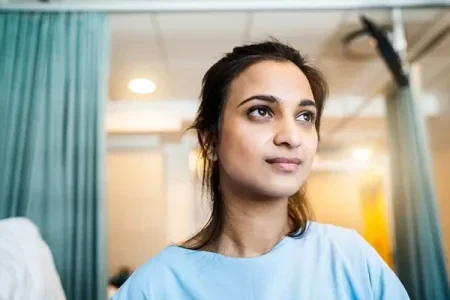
<point>387,52</point>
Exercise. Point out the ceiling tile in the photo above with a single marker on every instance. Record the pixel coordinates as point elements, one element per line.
<point>125,52</point>
<point>353,77</point>
<point>442,49</point>
<point>214,26</point>
<point>133,39</point>
<point>435,74</point>
<point>130,26</point>
<point>420,15</point>
<point>186,77</point>
<point>194,49</point>
<point>294,24</point>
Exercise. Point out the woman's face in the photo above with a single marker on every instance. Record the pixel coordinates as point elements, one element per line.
<point>268,138</point>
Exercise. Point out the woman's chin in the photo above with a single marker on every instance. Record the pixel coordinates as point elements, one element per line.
<point>278,191</point>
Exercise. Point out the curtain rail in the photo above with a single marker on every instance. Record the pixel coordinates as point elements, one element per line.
<point>160,6</point>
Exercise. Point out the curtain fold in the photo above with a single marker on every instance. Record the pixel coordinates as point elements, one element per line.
<point>420,262</point>
<point>53,83</point>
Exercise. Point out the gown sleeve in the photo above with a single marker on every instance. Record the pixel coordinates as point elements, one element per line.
<point>384,282</point>
<point>141,284</point>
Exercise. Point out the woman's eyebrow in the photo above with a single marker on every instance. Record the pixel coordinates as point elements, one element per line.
<point>307,102</point>
<point>273,99</point>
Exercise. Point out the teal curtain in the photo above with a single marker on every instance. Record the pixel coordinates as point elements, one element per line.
<point>53,70</point>
<point>420,262</point>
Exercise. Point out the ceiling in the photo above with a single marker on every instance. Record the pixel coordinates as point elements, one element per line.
<point>175,50</point>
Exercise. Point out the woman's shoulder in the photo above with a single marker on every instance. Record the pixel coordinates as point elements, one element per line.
<point>329,233</point>
<point>347,249</point>
<point>344,246</point>
<point>146,278</point>
<point>341,241</point>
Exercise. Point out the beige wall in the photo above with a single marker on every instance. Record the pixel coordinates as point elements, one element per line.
<point>442,178</point>
<point>136,208</point>
<point>439,138</point>
<point>335,198</point>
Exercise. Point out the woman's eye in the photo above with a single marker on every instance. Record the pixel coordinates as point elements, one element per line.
<point>260,112</point>
<point>306,117</point>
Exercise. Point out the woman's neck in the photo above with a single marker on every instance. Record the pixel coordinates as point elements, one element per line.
<point>252,227</point>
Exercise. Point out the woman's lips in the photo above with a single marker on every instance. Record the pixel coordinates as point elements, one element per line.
<point>284,164</point>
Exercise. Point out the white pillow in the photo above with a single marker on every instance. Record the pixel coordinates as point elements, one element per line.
<point>27,269</point>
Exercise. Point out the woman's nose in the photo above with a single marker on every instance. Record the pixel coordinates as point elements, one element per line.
<point>287,134</point>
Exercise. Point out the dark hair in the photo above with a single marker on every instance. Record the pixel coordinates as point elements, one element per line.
<point>214,94</point>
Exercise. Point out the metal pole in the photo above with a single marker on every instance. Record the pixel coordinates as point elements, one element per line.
<point>222,6</point>
<point>399,38</point>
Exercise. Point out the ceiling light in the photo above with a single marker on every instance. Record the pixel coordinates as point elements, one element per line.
<point>362,154</point>
<point>142,86</point>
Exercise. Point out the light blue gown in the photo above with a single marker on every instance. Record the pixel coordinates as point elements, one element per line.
<point>327,263</point>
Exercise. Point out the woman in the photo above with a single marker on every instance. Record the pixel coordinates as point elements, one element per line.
<point>258,127</point>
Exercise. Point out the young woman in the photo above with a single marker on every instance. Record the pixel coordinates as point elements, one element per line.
<point>258,127</point>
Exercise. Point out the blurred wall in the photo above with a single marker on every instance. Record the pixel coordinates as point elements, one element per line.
<point>439,139</point>
<point>441,161</point>
<point>136,208</point>
<point>335,198</point>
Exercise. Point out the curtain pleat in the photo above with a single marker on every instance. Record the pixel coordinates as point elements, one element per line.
<point>53,83</point>
<point>420,262</point>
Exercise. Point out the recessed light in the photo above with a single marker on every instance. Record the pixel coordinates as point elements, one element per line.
<point>142,86</point>
<point>362,154</point>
